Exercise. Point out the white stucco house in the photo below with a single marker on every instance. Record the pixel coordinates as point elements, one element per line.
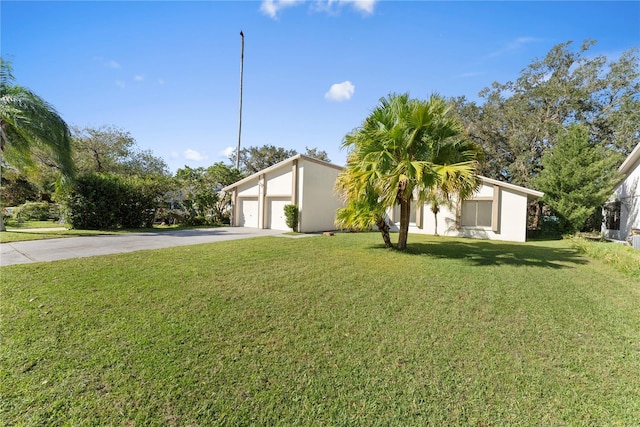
<point>259,199</point>
<point>497,211</point>
<point>622,211</point>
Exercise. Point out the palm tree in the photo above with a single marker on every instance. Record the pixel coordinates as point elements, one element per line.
<point>401,152</point>
<point>451,192</point>
<point>362,209</point>
<point>27,124</point>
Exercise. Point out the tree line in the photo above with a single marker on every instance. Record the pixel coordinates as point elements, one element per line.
<point>100,175</point>
<point>562,127</point>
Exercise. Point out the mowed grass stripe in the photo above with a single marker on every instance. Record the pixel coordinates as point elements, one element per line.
<point>322,331</point>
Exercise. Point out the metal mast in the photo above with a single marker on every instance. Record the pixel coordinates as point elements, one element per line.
<point>240,113</point>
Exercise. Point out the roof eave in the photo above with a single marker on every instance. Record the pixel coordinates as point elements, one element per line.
<point>277,166</point>
<point>531,194</point>
<point>631,160</point>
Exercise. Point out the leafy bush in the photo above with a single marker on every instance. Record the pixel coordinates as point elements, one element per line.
<point>7,213</point>
<point>99,201</point>
<point>38,211</point>
<point>171,216</point>
<point>16,191</point>
<point>623,258</point>
<point>292,214</point>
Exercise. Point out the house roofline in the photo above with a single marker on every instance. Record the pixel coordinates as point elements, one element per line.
<point>630,160</point>
<point>279,165</point>
<point>529,192</point>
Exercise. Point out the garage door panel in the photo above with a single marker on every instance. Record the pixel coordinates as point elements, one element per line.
<point>248,213</point>
<point>276,219</point>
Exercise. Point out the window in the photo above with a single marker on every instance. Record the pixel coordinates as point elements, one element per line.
<point>477,213</point>
<point>612,216</point>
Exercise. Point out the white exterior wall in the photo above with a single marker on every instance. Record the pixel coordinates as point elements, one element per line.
<point>317,201</point>
<point>628,194</point>
<point>511,217</point>
<point>279,181</point>
<point>630,199</point>
<point>274,186</point>
<point>249,189</point>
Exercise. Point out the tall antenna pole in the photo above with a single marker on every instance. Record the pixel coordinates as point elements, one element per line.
<point>240,120</point>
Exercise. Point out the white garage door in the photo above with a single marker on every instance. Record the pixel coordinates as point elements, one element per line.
<point>276,220</point>
<point>248,213</point>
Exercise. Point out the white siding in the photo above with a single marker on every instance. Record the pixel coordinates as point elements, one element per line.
<point>512,216</point>
<point>628,194</point>
<point>279,181</point>
<point>249,189</point>
<point>317,201</point>
<point>269,190</point>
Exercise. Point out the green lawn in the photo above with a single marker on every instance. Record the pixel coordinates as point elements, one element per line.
<point>29,231</point>
<point>322,331</point>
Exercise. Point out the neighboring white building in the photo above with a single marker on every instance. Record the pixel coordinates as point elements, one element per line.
<point>259,199</point>
<point>497,211</point>
<point>622,212</point>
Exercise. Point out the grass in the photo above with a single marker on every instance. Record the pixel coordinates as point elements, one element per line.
<point>17,232</point>
<point>15,224</point>
<point>322,331</point>
<point>623,258</point>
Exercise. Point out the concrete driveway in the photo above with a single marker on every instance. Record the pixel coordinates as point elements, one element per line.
<point>79,247</point>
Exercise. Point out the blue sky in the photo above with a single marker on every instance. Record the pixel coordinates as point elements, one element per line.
<point>168,72</point>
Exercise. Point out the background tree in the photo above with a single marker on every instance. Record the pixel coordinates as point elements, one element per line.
<point>28,122</point>
<point>254,159</point>
<point>577,177</point>
<point>402,151</point>
<point>317,154</point>
<point>14,188</point>
<point>519,120</point>
<point>202,197</point>
<point>113,150</point>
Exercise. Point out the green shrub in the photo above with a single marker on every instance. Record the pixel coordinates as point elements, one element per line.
<point>38,211</point>
<point>623,258</point>
<point>100,201</point>
<point>292,214</point>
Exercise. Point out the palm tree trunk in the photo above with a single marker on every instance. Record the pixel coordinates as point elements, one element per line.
<point>435,218</point>
<point>384,230</point>
<point>2,142</point>
<point>435,209</point>
<point>405,216</point>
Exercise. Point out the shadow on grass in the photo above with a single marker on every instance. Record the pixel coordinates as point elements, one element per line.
<point>490,253</point>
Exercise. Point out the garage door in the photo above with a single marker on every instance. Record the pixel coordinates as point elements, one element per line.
<point>248,213</point>
<point>276,219</point>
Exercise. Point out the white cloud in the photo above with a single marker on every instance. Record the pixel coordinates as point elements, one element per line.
<point>515,45</point>
<point>109,63</point>
<point>161,81</point>
<point>340,91</point>
<point>121,84</point>
<point>467,75</point>
<point>364,6</point>
<point>227,152</point>
<point>272,7</point>
<point>138,77</point>
<point>194,155</point>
